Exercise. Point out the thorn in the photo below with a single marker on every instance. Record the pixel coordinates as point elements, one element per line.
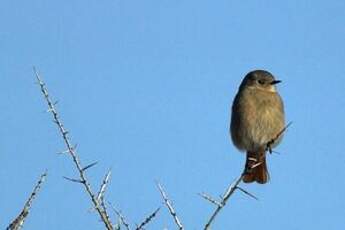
<point>247,193</point>
<point>63,152</point>
<point>89,166</point>
<point>74,180</point>
<point>210,199</point>
<point>276,152</point>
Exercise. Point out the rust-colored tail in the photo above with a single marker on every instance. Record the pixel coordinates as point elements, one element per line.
<point>256,168</point>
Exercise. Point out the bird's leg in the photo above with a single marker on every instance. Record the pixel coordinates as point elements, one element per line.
<point>269,146</point>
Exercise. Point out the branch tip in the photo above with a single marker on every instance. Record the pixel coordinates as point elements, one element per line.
<point>170,207</point>
<point>148,219</point>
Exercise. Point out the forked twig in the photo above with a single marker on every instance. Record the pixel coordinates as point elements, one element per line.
<point>230,190</point>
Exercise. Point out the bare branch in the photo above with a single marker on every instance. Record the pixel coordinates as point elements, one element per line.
<point>170,207</point>
<point>148,219</point>
<point>72,152</point>
<point>230,190</point>
<point>19,221</point>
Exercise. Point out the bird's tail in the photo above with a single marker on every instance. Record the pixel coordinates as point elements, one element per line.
<point>256,168</point>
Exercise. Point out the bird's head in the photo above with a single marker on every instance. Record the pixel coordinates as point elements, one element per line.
<point>261,80</point>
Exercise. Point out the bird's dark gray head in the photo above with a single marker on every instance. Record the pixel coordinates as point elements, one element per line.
<point>259,79</point>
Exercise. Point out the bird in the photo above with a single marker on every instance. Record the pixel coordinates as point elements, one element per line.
<point>257,122</point>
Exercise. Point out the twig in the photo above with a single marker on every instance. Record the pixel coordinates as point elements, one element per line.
<point>19,221</point>
<point>210,199</point>
<point>170,207</point>
<point>123,220</point>
<point>231,189</point>
<point>72,151</point>
<point>103,187</point>
<point>101,192</point>
<point>148,219</point>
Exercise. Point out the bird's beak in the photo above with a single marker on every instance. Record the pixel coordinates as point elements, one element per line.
<point>275,82</point>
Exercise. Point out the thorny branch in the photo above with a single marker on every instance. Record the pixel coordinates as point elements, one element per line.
<point>123,221</point>
<point>98,199</point>
<point>234,186</point>
<point>231,189</point>
<point>72,152</point>
<point>170,207</point>
<point>19,221</point>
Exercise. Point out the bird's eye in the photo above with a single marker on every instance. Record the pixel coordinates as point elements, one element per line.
<point>261,82</point>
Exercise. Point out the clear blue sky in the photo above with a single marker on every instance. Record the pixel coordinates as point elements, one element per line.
<point>145,88</point>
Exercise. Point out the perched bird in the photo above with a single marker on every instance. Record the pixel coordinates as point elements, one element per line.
<point>257,120</point>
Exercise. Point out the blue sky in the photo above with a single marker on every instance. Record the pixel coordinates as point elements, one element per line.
<point>145,88</point>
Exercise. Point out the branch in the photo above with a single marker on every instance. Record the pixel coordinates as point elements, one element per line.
<point>148,219</point>
<point>231,189</point>
<point>19,221</point>
<point>72,152</point>
<point>170,207</point>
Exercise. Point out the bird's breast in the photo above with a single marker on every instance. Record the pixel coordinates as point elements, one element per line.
<point>259,117</point>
